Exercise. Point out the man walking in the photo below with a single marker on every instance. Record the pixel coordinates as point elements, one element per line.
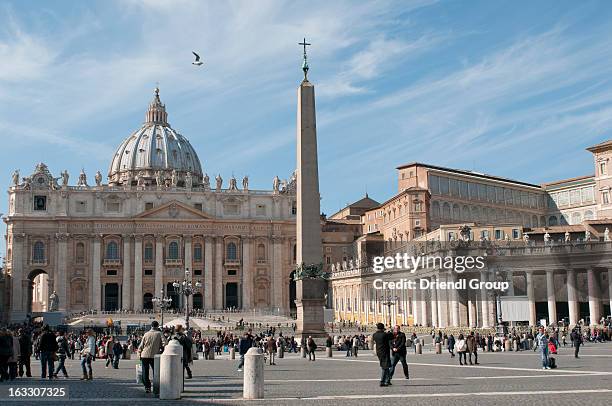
<point>48,347</point>
<point>62,352</point>
<point>382,339</point>
<point>25,348</point>
<point>87,354</point>
<point>150,345</point>
<point>271,349</point>
<point>186,342</point>
<point>541,341</point>
<point>398,352</point>
<point>245,343</point>
<point>311,346</point>
<point>472,348</point>
<point>576,340</point>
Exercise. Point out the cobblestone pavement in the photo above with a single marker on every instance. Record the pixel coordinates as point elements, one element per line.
<point>501,378</point>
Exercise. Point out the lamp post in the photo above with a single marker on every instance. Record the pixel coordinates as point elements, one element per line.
<point>501,329</point>
<point>389,301</point>
<point>163,302</point>
<point>186,288</point>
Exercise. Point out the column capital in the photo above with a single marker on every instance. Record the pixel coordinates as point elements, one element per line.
<point>19,237</point>
<point>62,237</point>
<point>208,239</point>
<point>98,237</point>
<point>138,237</point>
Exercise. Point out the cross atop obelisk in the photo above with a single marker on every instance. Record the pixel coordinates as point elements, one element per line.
<point>305,62</point>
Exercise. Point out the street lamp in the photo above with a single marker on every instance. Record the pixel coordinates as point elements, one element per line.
<point>389,301</point>
<point>501,329</point>
<point>163,302</point>
<point>186,288</point>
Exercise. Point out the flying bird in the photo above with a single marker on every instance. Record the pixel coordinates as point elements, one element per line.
<point>197,61</point>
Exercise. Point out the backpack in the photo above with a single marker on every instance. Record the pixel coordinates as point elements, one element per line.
<point>552,362</point>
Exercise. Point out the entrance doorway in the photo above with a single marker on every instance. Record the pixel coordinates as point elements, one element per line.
<point>171,293</point>
<point>231,294</point>
<point>111,296</point>
<point>38,291</point>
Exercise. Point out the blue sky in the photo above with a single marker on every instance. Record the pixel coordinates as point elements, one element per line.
<point>515,89</point>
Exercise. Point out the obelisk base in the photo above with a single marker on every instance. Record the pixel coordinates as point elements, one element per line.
<point>310,308</point>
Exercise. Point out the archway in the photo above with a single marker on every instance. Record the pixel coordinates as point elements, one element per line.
<point>38,291</point>
<point>231,294</point>
<point>171,293</point>
<point>147,301</point>
<point>198,301</point>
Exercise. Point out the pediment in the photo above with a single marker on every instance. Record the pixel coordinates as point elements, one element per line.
<point>173,210</point>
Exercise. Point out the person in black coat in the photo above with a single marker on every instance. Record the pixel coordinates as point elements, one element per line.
<point>382,340</point>
<point>48,347</point>
<point>398,352</point>
<point>246,342</point>
<point>25,348</point>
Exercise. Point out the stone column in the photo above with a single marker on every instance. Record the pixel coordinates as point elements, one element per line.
<point>61,271</point>
<point>208,273</point>
<point>593,287</point>
<point>159,265</point>
<point>277,274</point>
<point>138,295</point>
<point>443,302</point>
<point>18,312</point>
<point>96,287</point>
<point>434,305</point>
<point>189,264</point>
<point>126,290</point>
<point>531,299</point>
<point>247,273</point>
<point>219,252</point>
<point>424,313</point>
<point>454,302</point>
<point>572,297</point>
<point>552,300</point>
<point>610,287</point>
<point>484,304</point>
<point>472,311</point>
<point>510,283</point>
<point>416,306</point>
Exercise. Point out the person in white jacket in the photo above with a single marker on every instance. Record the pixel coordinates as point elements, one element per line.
<point>461,348</point>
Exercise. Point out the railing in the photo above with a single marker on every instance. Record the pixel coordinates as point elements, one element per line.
<point>111,261</point>
<point>39,261</point>
<point>262,261</point>
<point>174,261</point>
<point>232,262</point>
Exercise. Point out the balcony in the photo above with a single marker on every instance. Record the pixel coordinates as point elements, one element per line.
<point>174,261</point>
<point>111,262</point>
<point>232,262</point>
<point>39,262</point>
<point>262,261</point>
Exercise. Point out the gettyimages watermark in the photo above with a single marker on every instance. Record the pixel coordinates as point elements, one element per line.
<point>459,264</point>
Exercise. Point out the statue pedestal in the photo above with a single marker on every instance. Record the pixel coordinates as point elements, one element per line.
<point>310,308</point>
<point>53,319</point>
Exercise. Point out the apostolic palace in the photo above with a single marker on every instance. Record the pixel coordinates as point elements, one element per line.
<point>120,243</point>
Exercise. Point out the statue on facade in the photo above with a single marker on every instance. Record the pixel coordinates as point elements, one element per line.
<point>232,183</point>
<point>546,238</point>
<point>607,234</point>
<point>245,183</point>
<point>526,238</point>
<point>206,182</point>
<point>188,180</point>
<point>52,183</point>
<point>587,235</point>
<point>159,179</point>
<point>26,183</point>
<point>16,178</point>
<point>567,237</point>
<point>53,302</point>
<point>65,177</point>
<point>275,184</point>
<point>82,179</point>
<point>98,178</point>
<point>219,181</point>
<point>174,178</point>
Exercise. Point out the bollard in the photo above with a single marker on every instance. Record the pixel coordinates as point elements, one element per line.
<point>280,351</point>
<point>371,344</point>
<point>445,342</point>
<point>156,365</point>
<point>303,352</point>
<point>438,348</point>
<point>194,351</point>
<point>516,346</point>
<point>530,344</point>
<point>253,385</point>
<point>211,354</point>
<point>506,345</point>
<point>171,371</point>
<point>232,352</point>
<point>419,348</point>
<point>329,352</point>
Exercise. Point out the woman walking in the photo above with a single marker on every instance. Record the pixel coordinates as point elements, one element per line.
<point>461,348</point>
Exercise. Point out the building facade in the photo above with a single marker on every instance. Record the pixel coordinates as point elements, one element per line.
<point>116,245</point>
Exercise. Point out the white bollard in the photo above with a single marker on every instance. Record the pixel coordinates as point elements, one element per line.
<point>280,351</point>
<point>419,348</point>
<point>303,352</point>
<point>516,346</point>
<point>156,365</point>
<point>211,354</point>
<point>329,352</point>
<point>232,352</point>
<point>171,371</point>
<point>438,348</point>
<point>253,386</point>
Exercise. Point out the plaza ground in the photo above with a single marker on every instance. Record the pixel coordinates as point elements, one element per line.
<point>501,379</point>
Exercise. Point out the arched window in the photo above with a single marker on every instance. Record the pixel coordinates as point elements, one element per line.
<point>148,252</point>
<point>552,221</point>
<point>261,251</point>
<point>80,253</point>
<point>446,211</point>
<point>588,215</point>
<point>197,252</point>
<point>38,252</point>
<point>231,252</point>
<point>173,250</point>
<point>456,212</point>
<point>112,252</point>
<point>435,210</point>
<point>576,218</point>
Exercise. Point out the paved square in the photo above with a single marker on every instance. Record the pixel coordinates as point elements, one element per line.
<point>501,378</point>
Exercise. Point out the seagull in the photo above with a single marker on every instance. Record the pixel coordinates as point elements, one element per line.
<point>197,61</point>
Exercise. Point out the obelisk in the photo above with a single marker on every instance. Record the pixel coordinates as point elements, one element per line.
<point>310,281</point>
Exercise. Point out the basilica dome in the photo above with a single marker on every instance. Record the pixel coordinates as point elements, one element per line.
<point>155,152</point>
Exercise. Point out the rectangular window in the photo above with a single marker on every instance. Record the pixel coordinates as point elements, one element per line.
<point>575,197</point>
<point>294,208</point>
<point>516,195</point>
<point>454,187</point>
<point>499,194</point>
<point>434,184</point>
<point>231,272</point>
<point>197,272</point>
<point>499,235</point>
<point>508,194</point>
<point>605,197</point>
<point>327,249</point>
<point>484,234</point>
<point>563,198</point>
<point>198,206</point>
<point>417,222</point>
<point>443,186</point>
<point>327,260</point>
<point>148,272</point>
<point>482,192</point>
<point>113,206</point>
<point>40,203</point>
<point>417,206</point>
<point>473,189</point>
<point>491,193</point>
<point>515,233</point>
<point>148,205</point>
<point>587,194</point>
<point>602,168</point>
<point>111,272</point>
<point>463,189</point>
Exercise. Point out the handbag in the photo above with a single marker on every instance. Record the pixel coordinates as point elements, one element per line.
<point>54,356</point>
